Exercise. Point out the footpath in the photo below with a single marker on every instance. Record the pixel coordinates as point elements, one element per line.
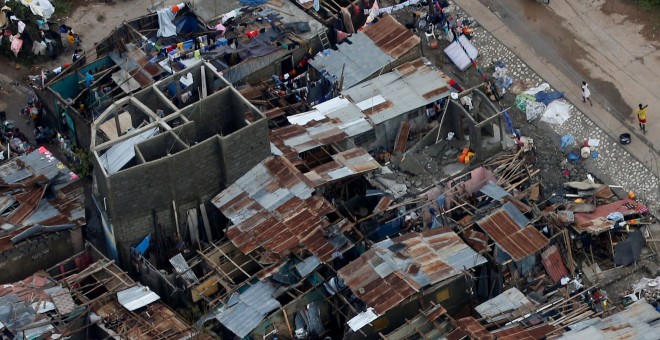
<point>633,166</point>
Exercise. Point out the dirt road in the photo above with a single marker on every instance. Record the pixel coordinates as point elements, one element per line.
<point>590,40</point>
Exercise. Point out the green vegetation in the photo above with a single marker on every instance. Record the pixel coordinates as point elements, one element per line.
<point>83,165</point>
<point>63,8</point>
<point>649,3</point>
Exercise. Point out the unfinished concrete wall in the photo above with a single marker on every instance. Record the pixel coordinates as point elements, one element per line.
<point>39,253</point>
<point>243,149</point>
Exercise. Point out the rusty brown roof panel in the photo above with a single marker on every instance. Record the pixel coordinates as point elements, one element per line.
<point>473,328</point>
<point>553,263</point>
<point>435,92</point>
<point>505,231</point>
<point>513,333</point>
<point>440,254</point>
<point>391,37</point>
<point>273,209</point>
<point>377,108</point>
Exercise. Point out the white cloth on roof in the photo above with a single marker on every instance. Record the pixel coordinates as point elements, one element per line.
<point>165,26</point>
<point>21,26</point>
<point>41,8</point>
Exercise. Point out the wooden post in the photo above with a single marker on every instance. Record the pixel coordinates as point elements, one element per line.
<point>288,326</point>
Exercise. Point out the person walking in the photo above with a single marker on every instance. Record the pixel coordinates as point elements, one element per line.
<point>586,93</point>
<point>641,116</point>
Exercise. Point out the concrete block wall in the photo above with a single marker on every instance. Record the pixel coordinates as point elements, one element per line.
<point>244,148</point>
<point>39,253</point>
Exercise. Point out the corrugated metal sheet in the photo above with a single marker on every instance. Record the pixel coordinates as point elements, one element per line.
<point>136,297</point>
<point>307,266</point>
<point>393,270</point>
<point>638,321</point>
<point>123,152</point>
<point>295,139</point>
<point>272,208</point>
<point>337,114</point>
<point>359,60</point>
<point>362,319</point>
<point>596,222</point>
<point>344,164</point>
<point>473,329</point>
<point>513,333</point>
<point>181,266</point>
<point>553,263</point>
<point>249,310</point>
<point>409,87</point>
<point>506,226</point>
<point>511,302</point>
<point>494,191</point>
<point>392,37</point>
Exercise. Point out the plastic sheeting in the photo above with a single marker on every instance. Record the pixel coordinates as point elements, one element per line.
<point>557,112</point>
<point>165,26</point>
<point>42,8</point>
<point>534,110</point>
<point>534,90</point>
<point>548,97</point>
<point>455,52</point>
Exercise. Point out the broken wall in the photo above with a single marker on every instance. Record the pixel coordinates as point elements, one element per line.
<point>39,252</point>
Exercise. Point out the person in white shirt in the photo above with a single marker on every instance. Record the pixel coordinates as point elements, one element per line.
<point>586,93</point>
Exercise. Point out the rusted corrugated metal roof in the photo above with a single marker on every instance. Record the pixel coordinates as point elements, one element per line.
<point>23,189</point>
<point>470,327</point>
<point>272,208</point>
<point>391,37</point>
<point>512,333</point>
<point>553,263</point>
<point>393,270</point>
<point>637,322</point>
<point>408,87</point>
<point>344,164</point>
<point>517,241</point>
<point>596,222</point>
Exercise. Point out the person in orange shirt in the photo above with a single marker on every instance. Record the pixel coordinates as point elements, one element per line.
<point>641,116</point>
<point>70,38</point>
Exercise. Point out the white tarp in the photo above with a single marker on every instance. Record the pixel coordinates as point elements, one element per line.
<point>557,112</point>
<point>40,7</point>
<point>455,52</point>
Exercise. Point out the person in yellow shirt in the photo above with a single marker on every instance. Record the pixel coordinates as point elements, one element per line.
<point>641,116</point>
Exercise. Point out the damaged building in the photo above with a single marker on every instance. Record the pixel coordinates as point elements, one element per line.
<point>42,207</point>
<point>88,297</point>
<point>250,42</point>
<point>155,160</point>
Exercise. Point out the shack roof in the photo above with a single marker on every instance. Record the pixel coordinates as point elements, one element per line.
<point>273,207</point>
<point>395,269</point>
<point>596,221</point>
<point>344,164</point>
<point>637,321</point>
<point>244,311</point>
<point>511,302</point>
<point>408,87</point>
<point>372,47</point>
<point>25,202</point>
<point>510,229</point>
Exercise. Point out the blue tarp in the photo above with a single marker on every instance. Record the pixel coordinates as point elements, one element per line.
<point>144,245</point>
<point>547,97</point>
<point>388,229</point>
<point>187,24</point>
